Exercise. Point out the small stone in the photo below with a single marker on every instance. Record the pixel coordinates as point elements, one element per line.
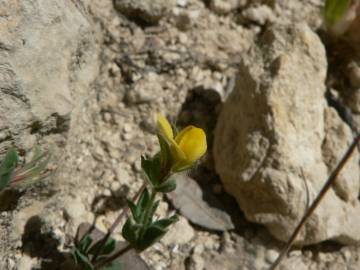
<point>106,192</point>
<point>73,208</point>
<point>227,243</point>
<point>107,117</point>
<point>183,39</point>
<point>271,255</point>
<point>137,166</point>
<point>11,263</point>
<point>145,90</point>
<point>115,186</point>
<point>127,136</point>
<point>181,3</point>
<point>260,14</point>
<point>127,128</point>
<point>25,263</point>
<point>198,249</point>
<point>122,175</point>
<point>346,254</point>
<point>295,253</point>
<point>196,262</point>
<point>179,233</point>
<point>150,11</point>
<point>226,6</point>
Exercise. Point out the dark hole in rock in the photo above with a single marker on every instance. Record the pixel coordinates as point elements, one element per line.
<point>201,108</point>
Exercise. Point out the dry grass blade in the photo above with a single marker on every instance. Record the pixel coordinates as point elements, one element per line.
<point>317,200</point>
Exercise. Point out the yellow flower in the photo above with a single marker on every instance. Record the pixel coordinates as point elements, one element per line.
<point>187,147</point>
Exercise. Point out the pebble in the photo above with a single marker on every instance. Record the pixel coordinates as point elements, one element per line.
<point>346,254</point>
<point>73,208</point>
<point>25,263</point>
<point>151,10</point>
<point>127,136</point>
<point>107,192</point>
<point>224,6</point>
<point>181,3</point>
<point>115,185</point>
<point>122,175</point>
<point>271,255</point>
<point>259,14</point>
<point>127,128</point>
<point>179,233</point>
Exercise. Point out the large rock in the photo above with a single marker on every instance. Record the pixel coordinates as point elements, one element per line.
<point>46,64</point>
<point>48,59</point>
<point>275,128</point>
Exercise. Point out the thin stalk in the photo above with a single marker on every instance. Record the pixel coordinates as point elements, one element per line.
<point>128,246</point>
<point>317,200</point>
<point>116,223</point>
<point>113,257</point>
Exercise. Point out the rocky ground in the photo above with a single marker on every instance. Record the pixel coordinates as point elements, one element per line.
<point>181,58</point>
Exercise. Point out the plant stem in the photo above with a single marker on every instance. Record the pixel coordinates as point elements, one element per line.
<point>113,257</point>
<point>116,223</point>
<point>317,200</point>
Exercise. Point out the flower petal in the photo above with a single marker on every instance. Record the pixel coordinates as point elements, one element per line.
<point>193,143</point>
<point>164,127</point>
<point>179,136</point>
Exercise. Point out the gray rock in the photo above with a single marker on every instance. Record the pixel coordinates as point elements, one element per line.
<point>226,6</point>
<point>275,127</point>
<point>259,14</point>
<point>48,59</point>
<point>150,11</point>
<point>145,90</point>
<point>337,138</point>
<point>46,62</point>
<point>179,234</point>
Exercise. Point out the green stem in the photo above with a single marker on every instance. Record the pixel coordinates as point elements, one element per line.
<point>116,223</point>
<point>113,257</point>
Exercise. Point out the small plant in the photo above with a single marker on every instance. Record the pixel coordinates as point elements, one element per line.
<point>178,152</point>
<point>12,174</point>
<point>340,16</point>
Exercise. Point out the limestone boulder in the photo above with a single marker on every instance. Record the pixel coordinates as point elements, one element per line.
<point>276,141</point>
<point>47,61</point>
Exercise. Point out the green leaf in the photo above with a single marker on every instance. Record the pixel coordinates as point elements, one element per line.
<point>165,154</point>
<point>130,231</point>
<point>33,171</point>
<point>153,209</point>
<point>81,259</point>
<point>151,168</point>
<point>135,210</point>
<point>335,10</point>
<point>116,265</point>
<point>142,204</point>
<point>107,248</point>
<point>167,186</point>
<point>166,222</point>
<point>151,235</point>
<point>7,167</point>
<point>85,244</point>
